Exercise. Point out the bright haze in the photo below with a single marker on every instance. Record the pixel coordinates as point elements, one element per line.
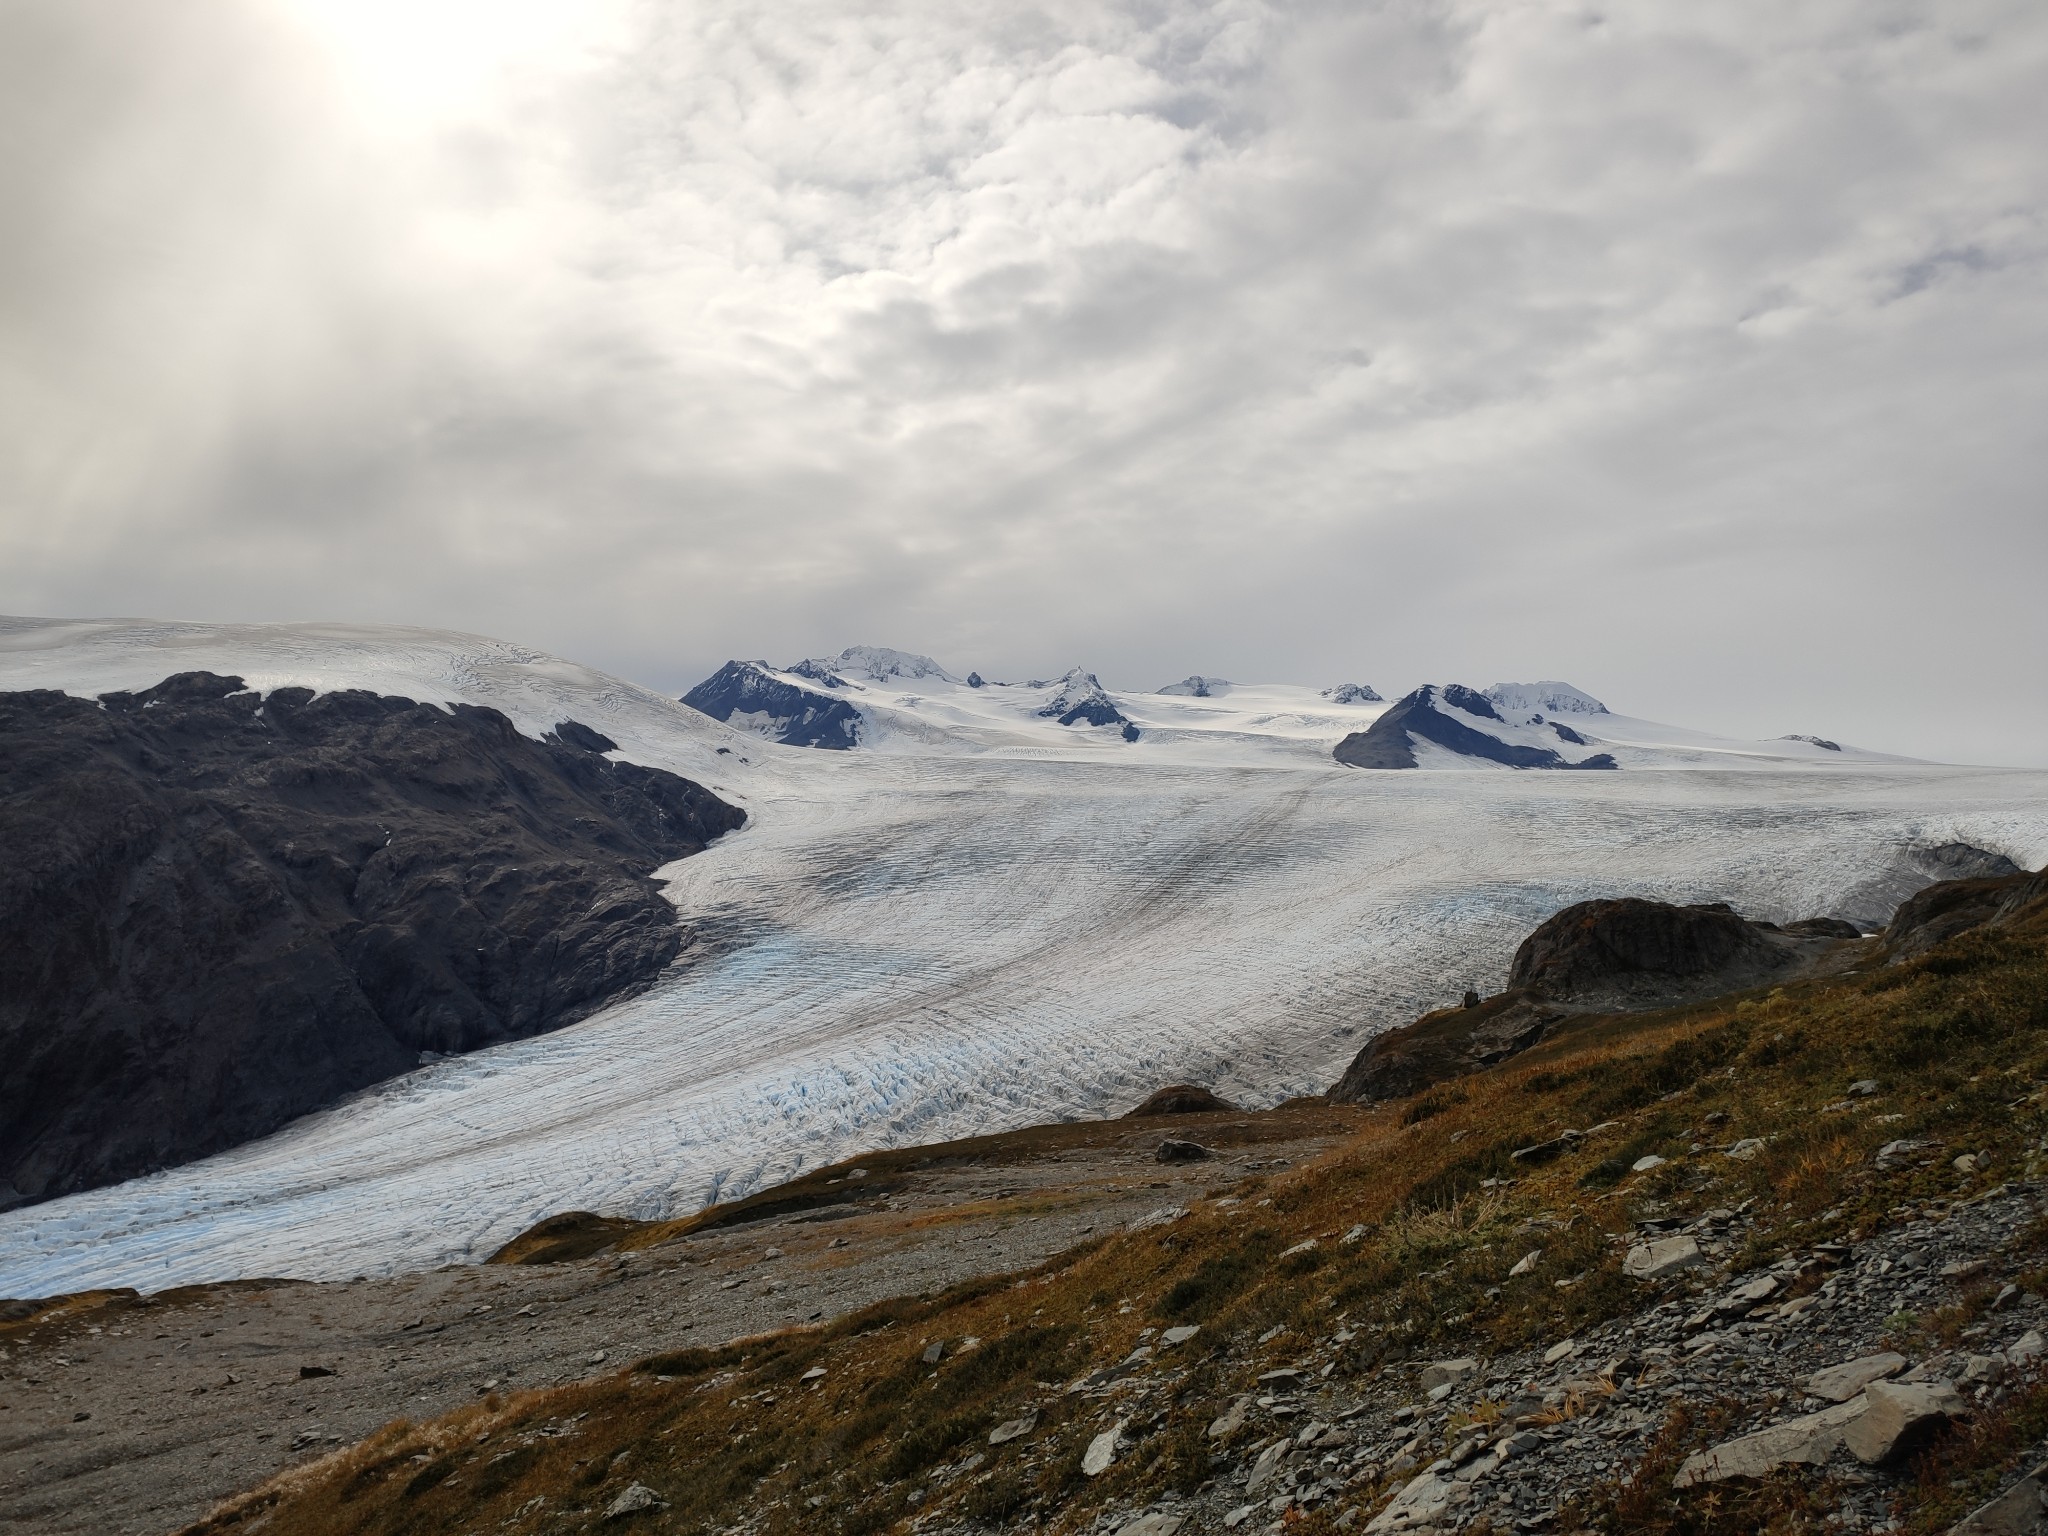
<point>1695,354</point>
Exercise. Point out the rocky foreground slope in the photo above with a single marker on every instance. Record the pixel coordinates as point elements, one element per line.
<point>1775,1261</point>
<point>223,909</point>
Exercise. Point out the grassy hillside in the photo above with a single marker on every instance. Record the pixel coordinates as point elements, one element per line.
<point>1393,1249</point>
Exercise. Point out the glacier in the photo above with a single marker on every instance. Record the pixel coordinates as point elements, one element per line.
<point>979,919</point>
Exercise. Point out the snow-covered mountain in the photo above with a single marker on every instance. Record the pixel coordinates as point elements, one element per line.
<point>1080,700</point>
<point>1552,698</point>
<point>1454,719</point>
<point>1198,687</point>
<point>878,663</point>
<point>1353,693</point>
<point>976,918</point>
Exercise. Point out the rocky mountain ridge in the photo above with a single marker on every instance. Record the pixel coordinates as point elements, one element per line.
<point>226,908</point>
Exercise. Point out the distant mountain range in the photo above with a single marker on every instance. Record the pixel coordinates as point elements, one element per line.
<point>890,700</point>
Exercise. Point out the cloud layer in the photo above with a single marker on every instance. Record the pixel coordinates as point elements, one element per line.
<point>1698,355</point>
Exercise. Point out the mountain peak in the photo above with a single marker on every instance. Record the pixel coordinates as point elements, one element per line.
<point>878,663</point>
<point>1557,698</point>
<point>1353,693</point>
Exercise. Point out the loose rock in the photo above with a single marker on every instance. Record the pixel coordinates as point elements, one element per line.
<point>1898,1416</point>
<point>1839,1383</point>
<point>1102,1450</point>
<point>638,1499</point>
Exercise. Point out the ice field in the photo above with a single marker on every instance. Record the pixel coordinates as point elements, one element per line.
<point>984,920</point>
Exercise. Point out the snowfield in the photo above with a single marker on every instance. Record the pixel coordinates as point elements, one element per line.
<point>980,919</point>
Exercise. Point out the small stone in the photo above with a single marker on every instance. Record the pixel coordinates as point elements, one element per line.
<point>638,1499</point>
<point>1102,1450</point>
<point>1898,1415</point>
<point>1983,1370</point>
<point>1230,1421</point>
<point>1664,1256</point>
<point>1352,1236</point>
<point>934,1351</point>
<point>1560,1351</point>
<point>1239,1515</point>
<point>1158,1523</point>
<point>599,1357</point>
<point>1863,1088</point>
<point>1269,1461</point>
<point>1645,1163</point>
<point>1306,1245</point>
<point>1013,1429</point>
<point>2027,1346</point>
<point>815,1373</point>
<point>1440,1372</point>
<point>309,1372</point>
<point>1173,1151</point>
<point>1164,1216</point>
<point>771,1253</point>
<point>1746,1148</point>
<point>1174,1337</point>
<point>1526,1262</point>
<point>1839,1383</point>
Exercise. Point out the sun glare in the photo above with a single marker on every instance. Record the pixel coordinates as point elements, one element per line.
<point>425,59</point>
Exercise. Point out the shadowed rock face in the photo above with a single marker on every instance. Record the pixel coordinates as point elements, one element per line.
<point>221,911</point>
<point>794,716</point>
<point>1951,907</point>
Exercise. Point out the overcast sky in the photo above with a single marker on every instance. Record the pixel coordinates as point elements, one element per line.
<point>1695,354</point>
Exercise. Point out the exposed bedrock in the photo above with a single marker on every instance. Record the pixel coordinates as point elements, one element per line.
<point>1596,957</point>
<point>222,910</point>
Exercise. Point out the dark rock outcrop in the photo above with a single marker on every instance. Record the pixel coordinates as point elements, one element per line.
<point>1950,907</point>
<point>222,910</point>
<point>798,717</point>
<point>1442,1045</point>
<point>1646,953</point>
<point>1182,1099</point>
<point>1389,741</point>
<point>1598,957</point>
<point>573,733</point>
<point>1352,693</point>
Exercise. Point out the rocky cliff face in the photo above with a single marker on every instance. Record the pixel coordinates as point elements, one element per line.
<point>222,910</point>
<point>781,711</point>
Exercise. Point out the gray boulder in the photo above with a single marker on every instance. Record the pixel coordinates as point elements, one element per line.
<point>1899,1416</point>
<point>1839,1383</point>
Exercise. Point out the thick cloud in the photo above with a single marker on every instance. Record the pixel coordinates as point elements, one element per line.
<point>1696,354</point>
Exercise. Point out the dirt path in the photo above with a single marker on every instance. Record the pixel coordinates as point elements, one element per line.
<point>134,1416</point>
